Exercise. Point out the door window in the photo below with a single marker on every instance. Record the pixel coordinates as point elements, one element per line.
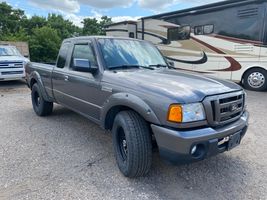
<point>84,51</point>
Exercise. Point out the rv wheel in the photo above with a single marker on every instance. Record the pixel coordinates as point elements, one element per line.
<point>255,79</point>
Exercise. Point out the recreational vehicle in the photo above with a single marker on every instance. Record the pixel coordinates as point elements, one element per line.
<point>226,39</point>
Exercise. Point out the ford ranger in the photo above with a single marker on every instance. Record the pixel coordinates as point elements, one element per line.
<point>12,63</point>
<point>128,87</point>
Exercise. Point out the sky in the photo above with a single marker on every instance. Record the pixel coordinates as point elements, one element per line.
<point>119,10</point>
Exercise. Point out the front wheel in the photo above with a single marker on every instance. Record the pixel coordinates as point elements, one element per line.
<point>255,79</point>
<point>40,106</point>
<point>132,144</point>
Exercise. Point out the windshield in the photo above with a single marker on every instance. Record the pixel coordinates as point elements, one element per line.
<point>9,51</point>
<point>123,52</point>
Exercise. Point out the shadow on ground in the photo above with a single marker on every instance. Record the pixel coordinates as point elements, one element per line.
<point>221,177</point>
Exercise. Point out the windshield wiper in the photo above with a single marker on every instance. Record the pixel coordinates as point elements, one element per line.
<point>129,67</point>
<point>158,65</point>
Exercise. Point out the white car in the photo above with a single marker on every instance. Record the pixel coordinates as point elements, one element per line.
<point>12,63</point>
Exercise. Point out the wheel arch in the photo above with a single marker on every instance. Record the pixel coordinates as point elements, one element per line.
<point>36,78</point>
<point>123,101</point>
<point>32,82</point>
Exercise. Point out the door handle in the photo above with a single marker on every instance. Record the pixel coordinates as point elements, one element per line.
<point>66,78</point>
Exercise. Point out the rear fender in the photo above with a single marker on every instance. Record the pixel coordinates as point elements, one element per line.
<point>35,76</point>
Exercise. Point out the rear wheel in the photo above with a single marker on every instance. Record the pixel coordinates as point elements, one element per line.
<point>255,79</point>
<point>132,144</point>
<point>40,106</point>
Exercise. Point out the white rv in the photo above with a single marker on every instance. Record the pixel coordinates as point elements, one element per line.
<point>226,39</point>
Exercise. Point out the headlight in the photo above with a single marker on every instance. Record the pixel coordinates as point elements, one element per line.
<point>186,113</point>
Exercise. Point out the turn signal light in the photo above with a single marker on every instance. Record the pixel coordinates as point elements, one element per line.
<point>175,113</point>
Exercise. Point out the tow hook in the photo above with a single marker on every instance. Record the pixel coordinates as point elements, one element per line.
<point>224,140</point>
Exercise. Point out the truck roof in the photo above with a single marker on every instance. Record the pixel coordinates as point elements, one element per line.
<point>98,37</point>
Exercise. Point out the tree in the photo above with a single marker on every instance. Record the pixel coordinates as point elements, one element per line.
<point>21,35</point>
<point>64,27</point>
<point>91,26</point>
<point>44,44</point>
<point>10,19</point>
<point>44,34</point>
<point>34,22</point>
<point>103,23</point>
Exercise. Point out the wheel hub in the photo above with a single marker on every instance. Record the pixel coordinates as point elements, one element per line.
<point>256,80</point>
<point>37,99</point>
<point>122,144</point>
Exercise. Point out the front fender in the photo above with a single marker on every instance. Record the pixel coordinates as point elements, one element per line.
<point>36,76</point>
<point>131,101</point>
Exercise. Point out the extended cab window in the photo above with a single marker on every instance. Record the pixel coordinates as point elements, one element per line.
<point>84,51</point>
<point>62,56</point>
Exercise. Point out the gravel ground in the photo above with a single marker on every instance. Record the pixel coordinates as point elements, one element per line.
<point>65,156</point>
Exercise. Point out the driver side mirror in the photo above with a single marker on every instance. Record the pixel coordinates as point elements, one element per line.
<point>83,65</point>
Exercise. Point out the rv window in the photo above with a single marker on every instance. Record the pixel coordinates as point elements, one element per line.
<point>131,35</point>
<point>204,30</point>
<point>198,30</point>
<point>208,29</point>
<point>179,33</point>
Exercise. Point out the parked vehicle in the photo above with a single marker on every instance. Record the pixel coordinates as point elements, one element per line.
<point>22,47</point>
<point>12,63</point>
<point>126,86</point>
<point>226,39</point>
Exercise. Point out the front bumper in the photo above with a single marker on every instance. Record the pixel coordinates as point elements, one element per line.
<point>176,146</point>
<point>12,74</point>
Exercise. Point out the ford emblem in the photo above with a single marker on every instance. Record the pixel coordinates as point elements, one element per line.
<point>233,107</point>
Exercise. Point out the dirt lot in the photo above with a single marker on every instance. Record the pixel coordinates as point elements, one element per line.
<point>65,156</point>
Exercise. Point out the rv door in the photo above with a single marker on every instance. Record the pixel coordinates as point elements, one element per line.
<point>179,33</point>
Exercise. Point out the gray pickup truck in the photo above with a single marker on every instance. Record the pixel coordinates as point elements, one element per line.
<point>128,87</point>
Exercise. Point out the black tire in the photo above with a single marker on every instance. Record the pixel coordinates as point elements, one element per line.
<point>131,129</point>
<point>260,83</point>
<point>40,106</point>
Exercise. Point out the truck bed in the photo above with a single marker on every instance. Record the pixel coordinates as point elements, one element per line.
<point>45,72</point>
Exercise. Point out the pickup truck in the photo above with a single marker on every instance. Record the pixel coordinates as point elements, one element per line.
<point>12,63</point>
<point>126,86</point>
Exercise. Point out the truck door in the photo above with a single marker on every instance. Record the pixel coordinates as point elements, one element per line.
<point>81,89</point>
<point>59,73</point>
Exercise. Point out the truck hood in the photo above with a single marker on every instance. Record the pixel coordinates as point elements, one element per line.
<point>13,59</point>
<point>175,84</point>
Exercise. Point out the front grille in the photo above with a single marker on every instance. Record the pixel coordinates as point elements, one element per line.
<point>223,109</point>
<point>7,65</point>
<point>12,72</point>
